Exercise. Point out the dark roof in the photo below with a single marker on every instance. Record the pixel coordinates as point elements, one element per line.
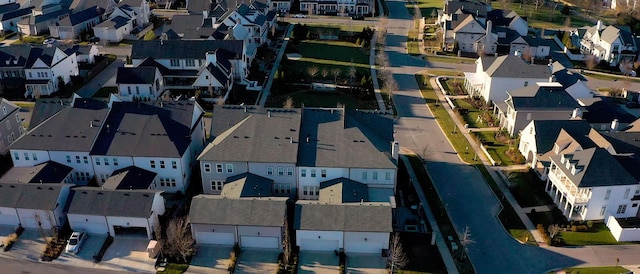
<point>541,96</point>
<point>605,110</point>
<point>247,185</point>
<point>212,209</point>
<point>137,75</point>
<point>45,54</point>
<point>30,196</point>
<point>82,16</point>
<point>9,107</point>
<point>366,217</point>
<point>511,66</point>
<point>139,129</point>
<point>45,108</point>
<point>105,202</point>
<point>253,136</point>
<point>357,139</point>
<point>184,23</point>
<point>47,172</point>
<point>183,49</point>
<point>471,7</point>
<point>116,22</point>
<point>547,131</point>
<point>130,178</point>
<point>343,190</point>
<point>17,55</point>
<point>599,168</point>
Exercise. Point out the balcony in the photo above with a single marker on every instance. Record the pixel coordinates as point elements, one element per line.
<point>573,194</point>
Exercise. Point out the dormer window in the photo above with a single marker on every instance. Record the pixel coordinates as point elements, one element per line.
<point>568,165</point>
<point>557,150</point>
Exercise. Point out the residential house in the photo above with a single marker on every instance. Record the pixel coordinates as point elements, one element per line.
<point>106,5</point>
<point>121,22</point>
<point>141,83</point>
<point>463,30</point>
<point>253,223</point>
<point>141,9</point>
<point>574,83</point>
<point>71,26</point>
<point>84,54</point>
<point>478,8</point>
<point>281,5</point>
<point>605,114</point>
<point>495,75</point>
<point>508,19</point>
<point>537,47</point>
<point>11,14</point>
<point>351,7</point>
<point>131,177</point>
<point>12,62</point>
<point>613,44</point>
<point>251,19</point>
<point>44,14</point>
<point>47,68</point>
<point>49,172</point>
<point>33,205</point>
<point>540,101</point>
<point>115,212</point>
<point>11,126</point>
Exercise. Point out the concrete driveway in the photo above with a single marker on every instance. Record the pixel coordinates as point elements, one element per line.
<point>366,263</point>
<point>29,246</point>
<point>128,254</point>
<point>210,259</point>
<point>318,262</point>
<point>258,261</point>
<point>84,258</point>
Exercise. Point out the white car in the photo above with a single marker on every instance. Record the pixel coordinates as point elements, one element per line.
<point>76,241</point>
<point>49,41</point>
<point>299,15</point>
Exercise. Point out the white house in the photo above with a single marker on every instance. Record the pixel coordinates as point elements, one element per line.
<point>47,68</point>
<point>574,83</point>
<point>357,7</point>
<point>141,9</point>
<point>72,25</point>
<point>356,228</point>
<point>115,212</point>
<point>494,76</point>
<point>13,127</point>
<point>46,173</point>
<point>10,19</point>
<point>121,22</point>
<point>612,44</point>
<point>249,222</point>
<point>141,83</point>
<point>33,205</point>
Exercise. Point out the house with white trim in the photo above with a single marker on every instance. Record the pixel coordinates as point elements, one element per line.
<point>47,68</point>
<point>33,205</point>
<point>11,126</point>
<point>141,83</point>
<point>612,44</point>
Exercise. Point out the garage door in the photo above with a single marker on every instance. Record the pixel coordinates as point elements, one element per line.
<point>319,245</point>
<point>362,247</point>
<point>9,220</point>
<point>259,242</point>
<point>215,238</point>
<point>91,228</point>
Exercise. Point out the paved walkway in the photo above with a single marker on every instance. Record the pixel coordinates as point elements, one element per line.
<point>266,90</point>
<point>442,246</point>
<point>544,208</point>
<point>106,78</point>
<point>374,72</point>
<point>484,129</point>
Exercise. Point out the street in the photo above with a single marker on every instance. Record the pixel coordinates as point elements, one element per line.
<point>11,266</point>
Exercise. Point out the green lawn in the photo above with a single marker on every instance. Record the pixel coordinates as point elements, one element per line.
<point>343,52</point>
<point>601,236</point>
<point>597,270</point>
<point>339,27</point>
<point>427,7</point>
<point>528,189</point>
<point>545,18</point>
<point>450,59</point>
<point>174,268</point>
<point>320,99</point>
<point>30,39</point>
<point>445,72</point>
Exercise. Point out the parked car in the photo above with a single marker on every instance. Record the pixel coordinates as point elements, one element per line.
<point>299,15</point>
<point>48,41</point>
<point>76,241</point>
<point>357,17</point>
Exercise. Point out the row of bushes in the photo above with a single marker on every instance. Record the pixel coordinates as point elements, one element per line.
<point>12,238</point>
<point>234,255</point>
<point>292,268</point>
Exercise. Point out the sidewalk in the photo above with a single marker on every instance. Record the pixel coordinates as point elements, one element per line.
<point>266,90</point>
<point>374,72</point>
<point>500,180</point>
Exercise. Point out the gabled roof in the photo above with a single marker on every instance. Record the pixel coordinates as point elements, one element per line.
<point>116,22</point>
<point>343,190</point>
<point>547,131</point>
<point>132,3</point>
<point>184,23</point>
<point>94,201</point>
<point>9,107</point>
<point>605,110</point>
<point>45,108</point>
<point>257,135</point>
<point>130,178</point>
<point>598,168</point>
<point>247,185</point>
<point>82,16</point>
<point>139,129</point>
<point>467,19</point>
<point>356,217</point>
<point>189,49</point>
<point>213,209</point>
<point>611,33</point>
<point>15,14</point>
<point>471,6</point>
<point>137,75</point>
<point>45,54</point>
<point>541,96</point>
<point>511,66</point>
<point>30,196</point>
<point>47,172</point>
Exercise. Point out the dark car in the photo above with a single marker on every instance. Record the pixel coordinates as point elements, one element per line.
<point>357,17</point>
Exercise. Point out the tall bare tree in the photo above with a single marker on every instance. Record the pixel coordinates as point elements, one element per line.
<point>288,103</point>
<point>553,230</point>
<point>335,72</point>
<point>287,248</point>
<point>465,241</point>
<point>179,243</point>
<point>312,71</point>
<point>38,218</point>
<point>396,258</point>
<point>324,72</point>
<point>590,61</point>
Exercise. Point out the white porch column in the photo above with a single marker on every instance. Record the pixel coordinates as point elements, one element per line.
<point>571,211</point>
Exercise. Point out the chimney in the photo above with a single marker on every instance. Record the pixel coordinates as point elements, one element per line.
<point>269,113</point>
<point>614,125</point>
<point>489,25</point>
<point>308,138</point>
<point>90,123</point>
<point>599,25</point>
<point>395,150</point>
<point>291,140</point>
<point>577,113</point>
<point>245,109</point>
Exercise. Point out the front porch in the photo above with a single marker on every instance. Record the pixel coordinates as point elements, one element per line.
<point>37,88</point>
<point>571,201</point>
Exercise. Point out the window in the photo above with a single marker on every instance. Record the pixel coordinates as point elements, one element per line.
<point>375,176</point>
<point>69,159</point>
<point>175,62</point>
<point>161,164</point>
<point>621,209</point>
<point>289,171</point>
<point>85,159</point>
<point>270,170</point>
<point>229,168</point>
<point>626,193</point>
<point>97,161</point>
<point>217,185</point>
<point>387,176</point>
<point>115,161</point>
<point>282,188</point>
<point>152,163</point>
<point>173,182</point>
<point>26,156</point>
<point>16,156</point>
<point>17,118</point>
<point>313,173</point>
<point>526,83</point>
<point>137,90</point>
<point>162,182</point>
<point>303,173</point>
<point>106,161</point>
<point>310,191</point>
<point>8,124</point>
<point>364,175</point>
<point>174,164</point>
<point>129,90</point>
<point>280,171</point>
<point>607,195</point>
<point>219,168</point>
<point>634,205</point>
<point>35,156</point>
<point>77,159</point>
<point>190,63</point>
<point>323,173</point>
<point>207,168</point>
<point>603,210</point>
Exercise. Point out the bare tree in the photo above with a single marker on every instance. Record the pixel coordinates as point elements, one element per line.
<point>526,55</point>
<point>288,103</point>
<point>553,5</point>
<point>324,72</point>
<point>335,72</point>
<point>352,73</point>
<point>287,252</point>
<point>567,22</point>
<point>390,85</point>
<point>396,257</point>
<point>506,4</point>
<point>590,61</point>
<point>554,229</point>
<point>36,216</point>
<point>179,243</point>
<point>312,71</point>
<point>465,241</point>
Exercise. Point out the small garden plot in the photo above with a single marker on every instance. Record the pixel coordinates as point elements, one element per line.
<point>528,189</point>
<point>453,86</point>
<point>596,270</point>
<point>501,148</point>
<point>574,233</point>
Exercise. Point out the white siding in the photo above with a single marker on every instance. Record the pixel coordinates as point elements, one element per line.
<point>89,223</point>
<point>319,240</point>
<point>365,242</point>
<point>9,216</point>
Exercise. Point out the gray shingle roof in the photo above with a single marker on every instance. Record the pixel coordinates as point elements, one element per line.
<point>45,108</point>
<point>541,98</point>
<point>247,185</point>
<point>253,136</point>
<point>343,190</point>
<point>511,66</point>
<point>183,49</point>
<point>10,108</point>
<point>213,209</point>
<point>547,131</point>
<point>104,202</point>
<point>368,217</point>
<point>30,196</point>
<point>137,75</point>
<point>47,172</point>
<point>130,178</point>
<point>599,168</point>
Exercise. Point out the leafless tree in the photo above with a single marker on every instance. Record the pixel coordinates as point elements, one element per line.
<point>179,243</point>
<point>287,252</point>
<point>526,55</point>
<point>465,241</point>
<point>554,229</point>
<point>335,72</point>
<point>324,72</point>
<point>288,103</point>
<point>352,73</point>
<point>590,61</point>
<point>553,5</point>
<point>567,21</point>
<point>506,4</point>
<point>538,3</point>
<point>390,86</point>
<point>38,219</point>
<point>312,71</point>
<point>396,258</point>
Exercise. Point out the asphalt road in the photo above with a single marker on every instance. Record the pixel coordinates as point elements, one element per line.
<point>10,266</point>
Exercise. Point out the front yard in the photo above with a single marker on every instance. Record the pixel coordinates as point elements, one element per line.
<point>575,233</point>
<point>528,189</point>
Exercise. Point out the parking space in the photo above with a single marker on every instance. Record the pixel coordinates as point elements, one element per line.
<point>84,258</point>
<point>210,259</point>
<point>128,254</point>
<point>318,262</point>
<point>366,263</point>
<point>258,261</point>
<point>30,245</point>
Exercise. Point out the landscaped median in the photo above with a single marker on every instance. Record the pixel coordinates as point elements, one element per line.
<point>507,216</point>
<point>595,270</point>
